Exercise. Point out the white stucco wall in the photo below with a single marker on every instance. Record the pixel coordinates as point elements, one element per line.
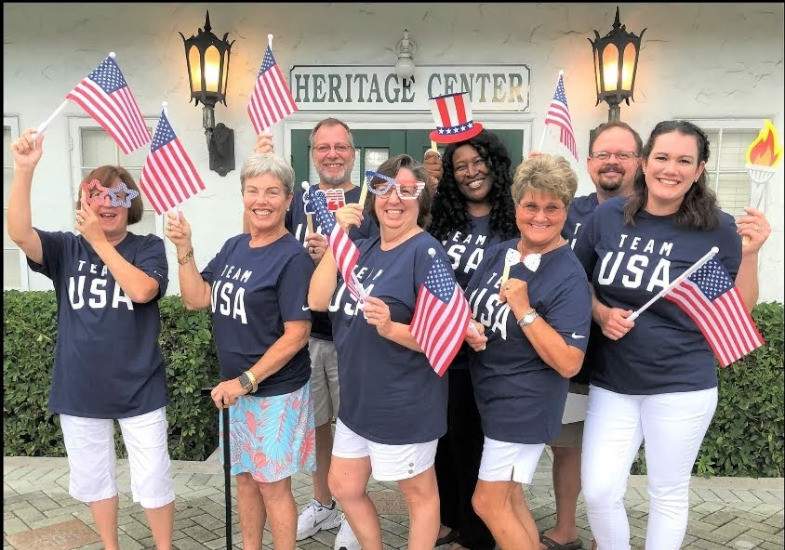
<point>697,60</point>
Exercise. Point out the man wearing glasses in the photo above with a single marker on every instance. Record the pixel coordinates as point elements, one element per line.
<point>613,162</point>
<point>333,155</point>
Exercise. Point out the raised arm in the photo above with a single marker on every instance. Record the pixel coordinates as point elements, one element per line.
<point>27,151</point>
<point>754,230</point>
<point>194,291</point>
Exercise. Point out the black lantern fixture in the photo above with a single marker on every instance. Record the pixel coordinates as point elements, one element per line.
<point>615,65</point>
<point>207,57</point>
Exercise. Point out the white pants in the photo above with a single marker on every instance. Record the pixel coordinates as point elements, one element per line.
<point>89,443</point>
<point>673,426</point>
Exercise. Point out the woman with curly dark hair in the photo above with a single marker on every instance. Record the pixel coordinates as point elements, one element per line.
<point>472,210</point>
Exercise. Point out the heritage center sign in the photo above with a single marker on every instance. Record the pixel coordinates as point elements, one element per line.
<point>378,88</point>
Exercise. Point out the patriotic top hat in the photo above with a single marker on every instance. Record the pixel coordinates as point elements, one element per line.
<point>452,114</point>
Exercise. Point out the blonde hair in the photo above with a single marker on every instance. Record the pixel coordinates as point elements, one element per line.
<point>545,173</point>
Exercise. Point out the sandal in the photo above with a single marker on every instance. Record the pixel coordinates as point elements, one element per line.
<point>448,538</point>
<point>551,544</point>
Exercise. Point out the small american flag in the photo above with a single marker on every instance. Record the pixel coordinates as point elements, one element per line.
<point>711,300</point>
<point>559,115</point>
<point>168,177</point>
<point>105,96</point>
<point>271,99</point>
<point>344,250</point>
<point>441,316</point>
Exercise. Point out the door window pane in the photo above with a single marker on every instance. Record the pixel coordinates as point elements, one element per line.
<point>97,148</point>
<point>374,158</point>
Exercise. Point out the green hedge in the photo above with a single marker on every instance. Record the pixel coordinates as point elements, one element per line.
<point>745,437</point>
<point>29,332</point>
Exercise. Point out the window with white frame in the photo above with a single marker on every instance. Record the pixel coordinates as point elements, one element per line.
<point>93,147</point>
<point>725,171</point>
<point>14,262</point>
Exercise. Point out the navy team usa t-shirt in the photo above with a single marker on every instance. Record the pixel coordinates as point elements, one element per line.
<point>581,208</point>
<point>520,398</point>
<point>628,265</point>
<point>389,393</point>
<point>297,224</point>
<point>465,250</point>
<point>107,360</point>
<point>254,290</point>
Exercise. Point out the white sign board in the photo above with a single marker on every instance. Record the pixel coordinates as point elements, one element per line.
<point>378,88</point>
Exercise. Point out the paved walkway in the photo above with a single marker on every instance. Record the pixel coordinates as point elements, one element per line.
<point>38,513</point>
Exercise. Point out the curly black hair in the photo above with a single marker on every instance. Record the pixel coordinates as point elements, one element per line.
<point>449,214</point>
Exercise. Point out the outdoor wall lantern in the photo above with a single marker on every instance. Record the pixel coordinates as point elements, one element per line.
<point>404,67</point>
<point>207,57</point>
<point>615,66</point>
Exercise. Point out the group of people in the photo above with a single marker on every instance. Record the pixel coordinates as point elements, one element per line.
<point>550,280</point>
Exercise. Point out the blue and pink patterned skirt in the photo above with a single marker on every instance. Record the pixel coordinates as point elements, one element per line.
<point>272,438</point>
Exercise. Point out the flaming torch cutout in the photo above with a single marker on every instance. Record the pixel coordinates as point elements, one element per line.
<point>762,156</point>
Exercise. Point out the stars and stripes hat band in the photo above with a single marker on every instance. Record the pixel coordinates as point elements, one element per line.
<point>452,114</point>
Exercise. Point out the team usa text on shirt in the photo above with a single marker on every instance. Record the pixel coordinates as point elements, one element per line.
<point>98,288</point>
<point>228,294</point>
<point>632,266</point>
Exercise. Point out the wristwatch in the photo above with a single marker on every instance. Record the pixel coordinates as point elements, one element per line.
<point>246,382</point>
<point>528,318</point>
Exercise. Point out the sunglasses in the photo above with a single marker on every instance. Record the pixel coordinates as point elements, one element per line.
<point>382,186</point>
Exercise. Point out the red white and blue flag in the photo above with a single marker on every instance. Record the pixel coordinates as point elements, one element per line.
<point>711,300</point>
<point>343,248</point>
<point>105,96</point>
<point>559,115</point>
<point>271,99</point>
<point>169,177</point>
<point>441,316</point>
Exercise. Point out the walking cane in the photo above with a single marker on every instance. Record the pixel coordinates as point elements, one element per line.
<point>227,471</point>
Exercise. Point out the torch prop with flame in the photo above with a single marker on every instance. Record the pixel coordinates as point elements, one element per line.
<point>762,156</point>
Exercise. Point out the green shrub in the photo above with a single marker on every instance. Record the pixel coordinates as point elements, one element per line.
<point>745,438</point>
<point>29,332</point>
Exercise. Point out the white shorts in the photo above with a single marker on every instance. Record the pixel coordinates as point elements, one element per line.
<point>324,380</point>
<point>505,461</point>
<point>89,443</point>
<point>388,462</point>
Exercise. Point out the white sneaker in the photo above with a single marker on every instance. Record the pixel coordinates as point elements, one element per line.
<point>345,539</point>
<point>316,517</point>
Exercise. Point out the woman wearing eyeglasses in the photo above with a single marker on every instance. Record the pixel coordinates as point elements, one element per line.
<point>537,322</point>
<point>472,211</point>
<point>393,405</point>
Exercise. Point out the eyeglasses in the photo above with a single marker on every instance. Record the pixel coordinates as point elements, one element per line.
<point>551,210</point>
<point>341,148</point>
<point>477,164</point>
<point>623,156</point>
<point>382,186</point>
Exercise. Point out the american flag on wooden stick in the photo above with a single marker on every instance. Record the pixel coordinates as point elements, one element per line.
<point>271,99</point>
<point>169,177</point>
<point>441,315</point>
<point>559,115</point>
<point>711,300</point>
<point>105,96</point>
